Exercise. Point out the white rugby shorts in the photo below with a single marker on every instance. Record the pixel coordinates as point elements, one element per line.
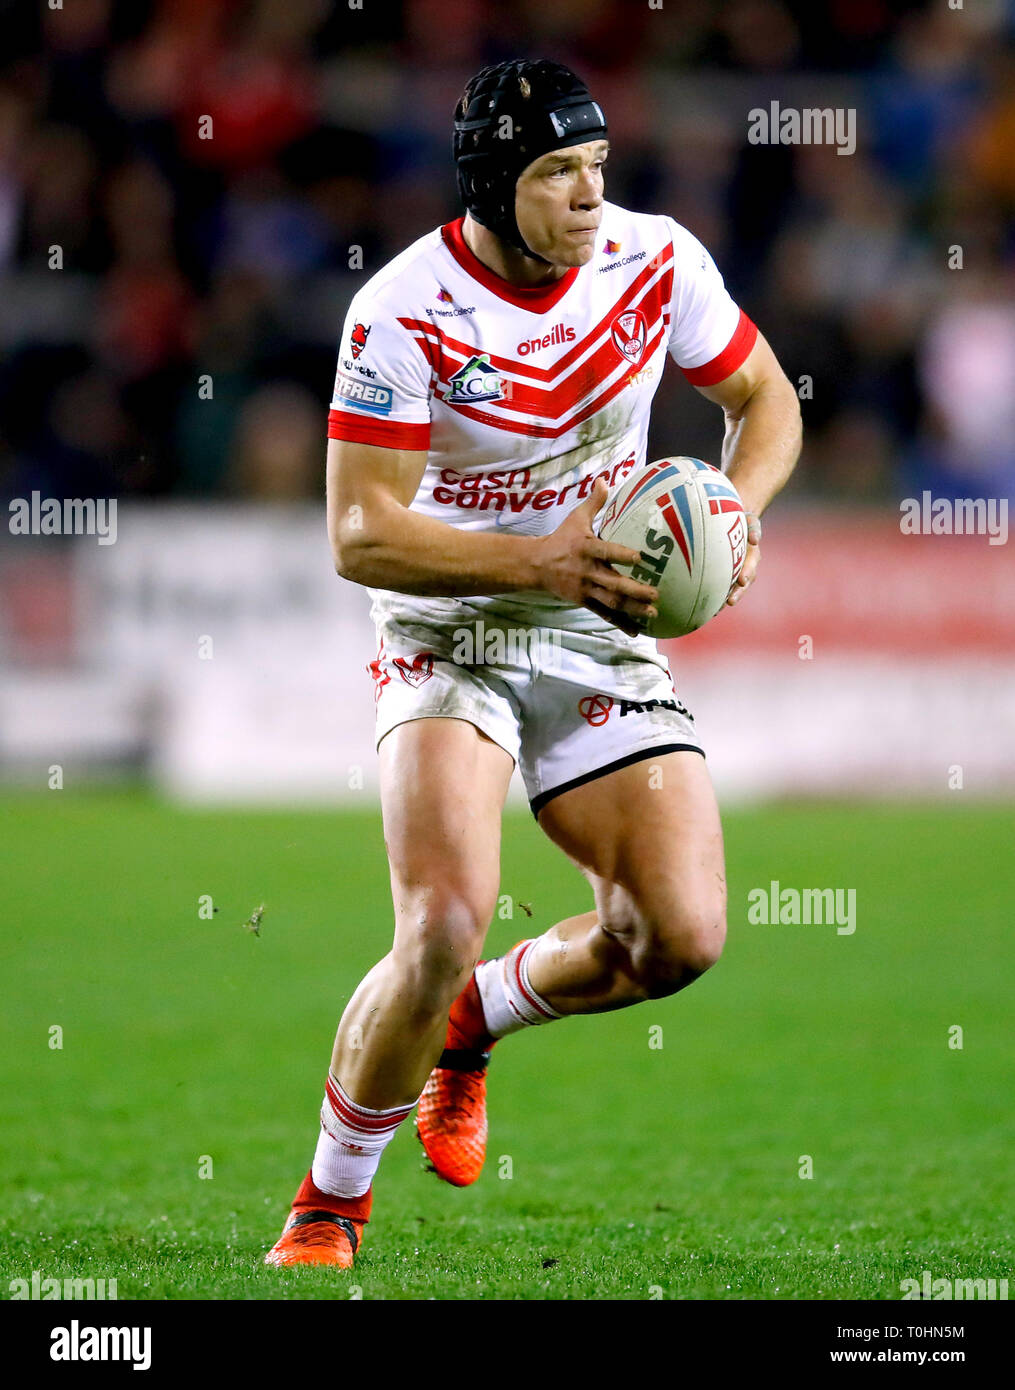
<point>567,706</point>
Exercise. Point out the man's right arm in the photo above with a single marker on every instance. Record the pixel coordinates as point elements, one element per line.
<point>376,540</point>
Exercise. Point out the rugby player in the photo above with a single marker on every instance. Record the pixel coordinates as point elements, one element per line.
<point>494,383</point>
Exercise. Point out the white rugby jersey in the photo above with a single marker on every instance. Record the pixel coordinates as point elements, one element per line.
<point>523,397</point>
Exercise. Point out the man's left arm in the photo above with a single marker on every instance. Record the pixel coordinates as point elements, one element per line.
<point>762,443</point>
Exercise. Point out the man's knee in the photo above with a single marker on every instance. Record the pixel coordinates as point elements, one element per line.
<point>671,942</point>
<point>687,945</point>
<point>438,940</point>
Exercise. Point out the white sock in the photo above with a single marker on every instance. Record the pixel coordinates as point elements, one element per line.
<point>509,1001</point>
<point>352,1141</point>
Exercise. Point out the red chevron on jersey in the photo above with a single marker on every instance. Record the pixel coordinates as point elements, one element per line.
<point>551,403</point>
<point>514,364</point>
<point>654,301</point>
<point>527,427</point>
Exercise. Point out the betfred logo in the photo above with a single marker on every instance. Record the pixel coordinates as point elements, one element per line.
<point>362,395</point>
<point>559,334</point>
<point>358,337</point>
<point>630,333</point>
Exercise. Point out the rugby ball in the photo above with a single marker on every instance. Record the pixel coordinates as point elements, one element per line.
<point>687,521</point>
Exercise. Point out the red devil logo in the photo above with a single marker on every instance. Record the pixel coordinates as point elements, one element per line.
<point>358,338</point>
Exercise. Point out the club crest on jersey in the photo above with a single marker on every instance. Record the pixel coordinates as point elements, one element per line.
<point>358,337</point>
<point>630,332</point>
<point>420,669</point>
<point>476,381</point>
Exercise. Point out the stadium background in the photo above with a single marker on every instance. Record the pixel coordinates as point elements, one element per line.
<point>231,259</point>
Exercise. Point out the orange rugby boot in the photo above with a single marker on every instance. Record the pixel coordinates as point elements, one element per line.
<point>451,1118</point>
<point>321,1230</point>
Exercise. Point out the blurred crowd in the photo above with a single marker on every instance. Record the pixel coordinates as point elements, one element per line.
<point>170,305</point>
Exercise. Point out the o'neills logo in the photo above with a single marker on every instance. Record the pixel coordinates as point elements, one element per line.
<point>559,334</point>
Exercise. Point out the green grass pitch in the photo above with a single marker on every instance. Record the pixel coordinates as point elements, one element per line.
<point>616,1169</point>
